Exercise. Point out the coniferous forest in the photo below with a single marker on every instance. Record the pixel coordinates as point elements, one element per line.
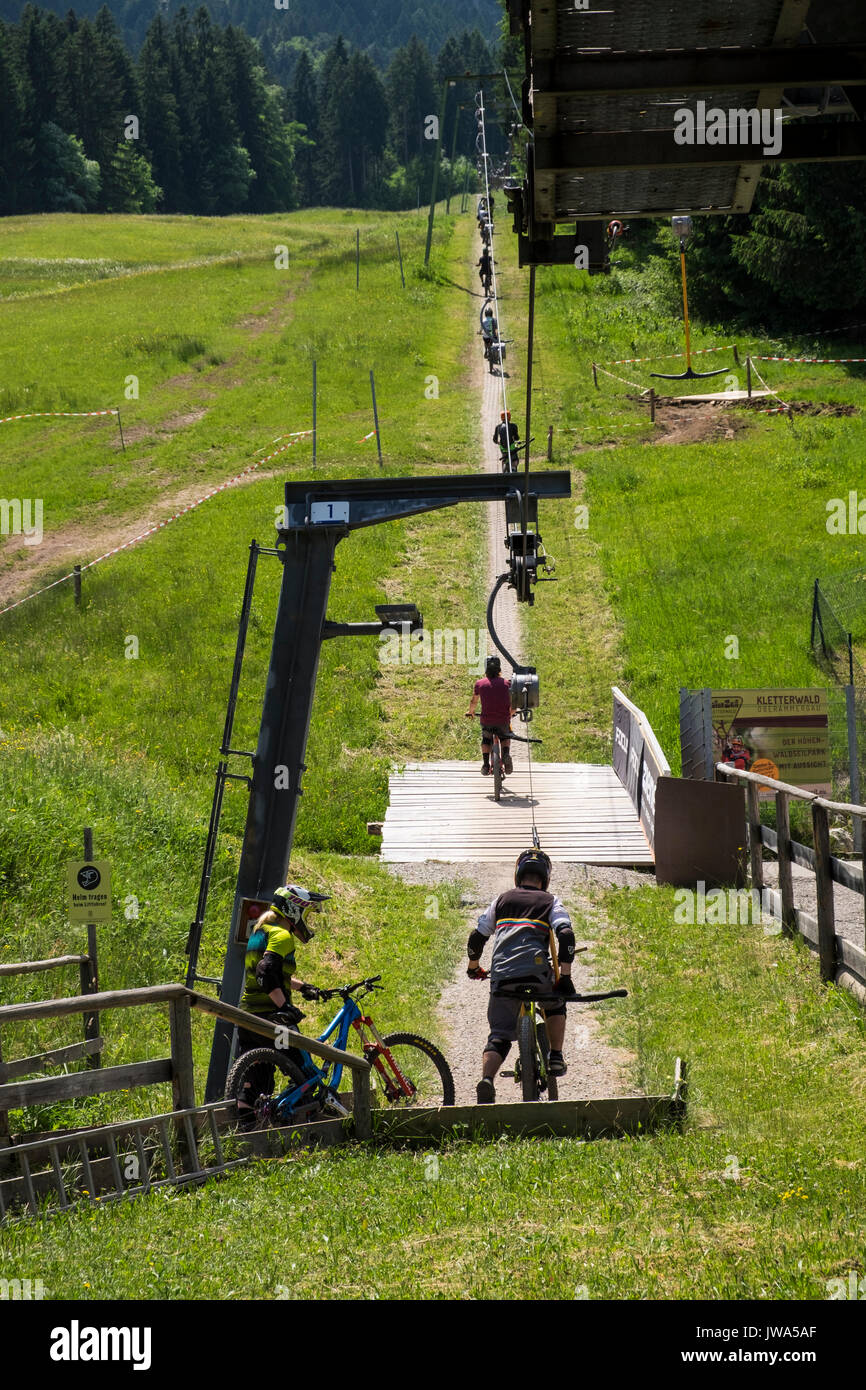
<point>197,122</point>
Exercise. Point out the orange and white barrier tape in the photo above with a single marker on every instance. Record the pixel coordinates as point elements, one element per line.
<point>151,530</point>
<point>371,435</point>
<point>820,360</point>
<point>54,414</point>
<point>666,357</point>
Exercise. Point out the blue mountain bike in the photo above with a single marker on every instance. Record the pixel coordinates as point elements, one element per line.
<point>404,1069</point>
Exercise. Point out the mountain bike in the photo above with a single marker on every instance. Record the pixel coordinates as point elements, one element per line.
<point>405,1069</point>
<point>531,1069</point>
<point>496,765</point>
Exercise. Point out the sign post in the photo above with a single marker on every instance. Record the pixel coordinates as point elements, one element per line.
<point>89,892</point>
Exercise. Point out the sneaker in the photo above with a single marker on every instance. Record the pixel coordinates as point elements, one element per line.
<point>485,1091</point>
<point>556,1064</point>
<point>485,769</point>
<point>508,766</point>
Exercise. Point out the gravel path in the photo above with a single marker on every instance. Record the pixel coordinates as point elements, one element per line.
<point>594,1067</point>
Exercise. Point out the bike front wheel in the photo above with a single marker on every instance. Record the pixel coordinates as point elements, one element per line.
<point>421,1066</point>
<point>496,762</point>
<point>526,1048</point>
<point>263,1073</point>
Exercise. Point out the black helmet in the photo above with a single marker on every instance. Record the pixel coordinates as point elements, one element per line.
<point>493,666</point>
<point>532,861</point>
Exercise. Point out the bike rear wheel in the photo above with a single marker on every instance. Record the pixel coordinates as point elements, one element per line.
<point>421,1065</point>
<point>496,764</point>
<point>252,1067</point>
<point>544,1049</point>
<point>526,1048</point>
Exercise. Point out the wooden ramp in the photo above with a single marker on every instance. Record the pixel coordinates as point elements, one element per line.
<point>446,811</point>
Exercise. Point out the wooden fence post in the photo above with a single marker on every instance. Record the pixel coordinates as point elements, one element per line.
<point>594,376</point>
<point>182,1072</point>
<point>652,396</point>
<point>76,584</point>
<point>361,1103</point>
<point>783,852</point>
<point>5,1138</point>
<point>824,886</point>
<point>749,377</point>
<point>756,851</point>
<point>550,443</point>
<point>89,973</point>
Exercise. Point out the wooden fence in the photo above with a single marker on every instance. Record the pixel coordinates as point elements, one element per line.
<point>88,1050</point>
<point>840,960</point>
<point>176,1068</point>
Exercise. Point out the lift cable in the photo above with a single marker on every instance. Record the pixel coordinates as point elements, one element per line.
<point>504,578</point>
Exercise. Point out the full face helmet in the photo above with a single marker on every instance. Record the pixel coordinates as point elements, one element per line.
<point>532,861</point>
<point>295,904</point>
<point>492,667</point>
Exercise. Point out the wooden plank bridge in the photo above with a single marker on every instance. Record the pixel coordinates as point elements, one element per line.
<point>446,811</point>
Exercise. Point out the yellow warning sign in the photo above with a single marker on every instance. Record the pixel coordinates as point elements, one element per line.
<point>89,884</point>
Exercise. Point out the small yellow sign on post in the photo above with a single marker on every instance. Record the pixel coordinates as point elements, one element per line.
<point>89,883</point>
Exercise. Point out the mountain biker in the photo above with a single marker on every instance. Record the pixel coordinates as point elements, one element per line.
<point>489,335</point>
<point>485,268</point>
<point>520,921</point>
<point>267,992</point>
<point>506,435</point>
<point>495,695</point>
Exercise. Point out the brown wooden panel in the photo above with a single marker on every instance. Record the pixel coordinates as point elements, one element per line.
<point>86,1083</point>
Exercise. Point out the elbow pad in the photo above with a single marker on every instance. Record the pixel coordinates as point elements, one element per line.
<point>566,944</point>
<point>475,945</point>
<point>269,973</point>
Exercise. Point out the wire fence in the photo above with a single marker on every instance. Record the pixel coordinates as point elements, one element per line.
<point>838,637</point>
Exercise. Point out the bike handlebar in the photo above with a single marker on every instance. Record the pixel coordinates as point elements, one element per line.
<point>346,990</point>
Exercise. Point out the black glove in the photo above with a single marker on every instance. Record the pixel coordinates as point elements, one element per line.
<point>310,992</point>
<point>565,987</point>
<point>288,1016</point>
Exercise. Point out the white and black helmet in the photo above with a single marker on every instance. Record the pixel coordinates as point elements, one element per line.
<point>294,903</point>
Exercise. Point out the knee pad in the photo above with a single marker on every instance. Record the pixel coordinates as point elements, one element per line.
<point>500,1045</point>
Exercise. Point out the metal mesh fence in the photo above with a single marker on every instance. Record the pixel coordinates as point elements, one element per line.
<point>838,638</point>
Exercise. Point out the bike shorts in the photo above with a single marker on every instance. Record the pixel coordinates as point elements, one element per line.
<point>488,730</point>
<point>502,1016</point>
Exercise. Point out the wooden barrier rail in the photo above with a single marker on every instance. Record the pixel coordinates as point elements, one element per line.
<point>89,1050</point>
<point>840,960</point>
<point>178,1068</point>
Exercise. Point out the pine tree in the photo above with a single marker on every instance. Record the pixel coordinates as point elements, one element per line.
<point>303,107</point>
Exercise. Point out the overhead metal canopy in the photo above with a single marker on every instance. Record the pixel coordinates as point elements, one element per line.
<point>603,85</point>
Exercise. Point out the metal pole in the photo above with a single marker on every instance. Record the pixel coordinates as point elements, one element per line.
<point>526,436</point>
<point>854,763</point>
<point>357,257</point>
<point>76,584</point>
<point>437,161</point>
<point>315,437</point>
<point>749,377</point>
<point>279,761</point>
<point>465,188</point>
<point>850,659</point>
<point>400,254</point>
<point>375,414</point>
<point>120,427</point>
<point>453,152</point>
